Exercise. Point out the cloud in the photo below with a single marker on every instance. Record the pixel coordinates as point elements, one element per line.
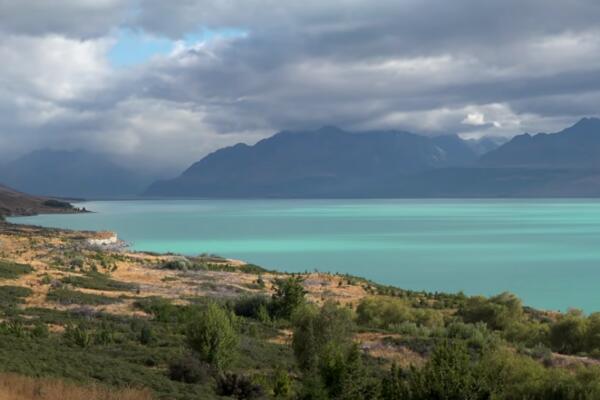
<point>216,72</point>
<point>476,119</point>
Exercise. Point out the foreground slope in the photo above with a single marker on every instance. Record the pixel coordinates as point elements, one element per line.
<point>122,320</point>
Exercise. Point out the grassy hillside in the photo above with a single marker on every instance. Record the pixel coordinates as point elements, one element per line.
<point>174,327</point>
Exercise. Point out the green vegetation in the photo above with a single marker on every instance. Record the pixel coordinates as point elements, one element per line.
<point>57,204</point>
<point>68,297</point>
<point>11,270</point>
<point>213,337</point>
<point>97,281</point>
<point>288,296</point>
<point>277,343</point>
<point>12,295</point>
<point>210,263</point>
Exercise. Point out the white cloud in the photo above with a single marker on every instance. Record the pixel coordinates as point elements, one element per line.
<point>476,119</point>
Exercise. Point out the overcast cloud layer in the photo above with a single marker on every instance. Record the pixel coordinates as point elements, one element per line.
<point>430,66</point>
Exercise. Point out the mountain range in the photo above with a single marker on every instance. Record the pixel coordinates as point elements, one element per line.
<point>78,174</point>
<point>321,163</point>
<point>330,162</point>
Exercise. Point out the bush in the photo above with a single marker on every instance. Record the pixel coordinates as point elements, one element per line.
<point>253,307</point>
<point>146,335</point>
<point>78,336</point>
<point>569,334</point>
<point>498,312</point>
<point>40,330</point>
<point>314,330</point>
<point>282,384</point>
<point>213,337</point>
<point>238,386</point>
<point>11,295</point>
<point>11,270</point>
<point>68,297</point>
<point>188,369</point>
<point>177,265</point>
<point>97,281</point>
<point>289,295</point>
<point>448,374</point>
<point>382,313</point>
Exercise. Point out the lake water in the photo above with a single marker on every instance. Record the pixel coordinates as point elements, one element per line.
<point>546,251</point>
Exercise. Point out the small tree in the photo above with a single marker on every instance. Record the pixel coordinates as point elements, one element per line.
<point>317,330</point>
<point>282,386</point>
<point>213,336</point>
<point>289,295</point>
<point>449,375</point>
<point>325,352</point>
<point>569,334</point>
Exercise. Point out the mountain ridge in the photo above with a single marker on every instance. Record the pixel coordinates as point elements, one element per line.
<point>320,162</point>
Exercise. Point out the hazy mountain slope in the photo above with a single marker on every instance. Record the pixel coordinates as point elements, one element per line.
<point>321,163</point>
<point>13,202</point>
<point>575,147</point>
<point>485,144</point>
<point>70,174</point>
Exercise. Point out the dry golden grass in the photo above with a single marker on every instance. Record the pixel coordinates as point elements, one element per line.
<point>17,387</point>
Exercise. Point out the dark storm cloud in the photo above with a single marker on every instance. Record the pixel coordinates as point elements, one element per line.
<point>432,66</point>
<point>73,18</point>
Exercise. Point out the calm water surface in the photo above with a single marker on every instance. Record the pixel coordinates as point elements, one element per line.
<point>546,251</point>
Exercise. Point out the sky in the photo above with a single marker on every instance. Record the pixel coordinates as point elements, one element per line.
<point>158,84</point>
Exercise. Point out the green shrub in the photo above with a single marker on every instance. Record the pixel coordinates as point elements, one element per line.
<point>13,327</point>
<point>146,335</point>
<point>289,295</point>
<point>448,374</point>
<point>252,307</point>
<point>282,384</point>
<point>40,330</point>
<point>213,337</point>
<point>68,297</point>
<point>177,265</point>
<point>238,387</point>
<point>12,295</point>
<point>11,270</point>
<point>315,329</point>
<point>189,369</point>
<point>569,334</point>
<point>97,281</point>
<point>498,312</point>
<point>78,336</point>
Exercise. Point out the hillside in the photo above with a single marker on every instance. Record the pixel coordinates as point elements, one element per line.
<point>70,174</point>
<point>321,163</point>
<point>13,202</point>
<point>88,322</point>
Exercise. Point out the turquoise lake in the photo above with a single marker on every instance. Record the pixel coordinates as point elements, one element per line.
<point>546,251</point>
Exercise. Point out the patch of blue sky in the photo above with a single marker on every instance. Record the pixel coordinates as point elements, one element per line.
<point>136,47</point>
